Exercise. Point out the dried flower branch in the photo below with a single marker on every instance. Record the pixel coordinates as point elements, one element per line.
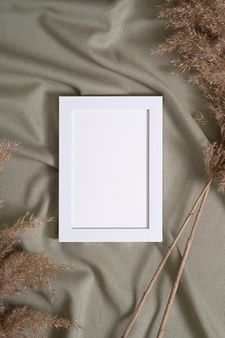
<point>20,270</point>
<point>31,271</point>
<point>6,247</point>
<point>25,322</point>
<point>163,262</point>
<point>181,267</point>
<point>6,150</point>
<point>198,37</point>
<point>214,156</point>
<point>28,221</point>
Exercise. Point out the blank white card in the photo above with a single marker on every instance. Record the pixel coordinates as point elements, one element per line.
<point>110,171</point>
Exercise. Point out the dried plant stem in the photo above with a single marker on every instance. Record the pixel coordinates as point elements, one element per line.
<point>181,267</point>
<point>161,265</point>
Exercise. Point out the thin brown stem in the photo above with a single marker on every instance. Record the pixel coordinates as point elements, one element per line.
<point>161,265</point>
<point>181,267</point>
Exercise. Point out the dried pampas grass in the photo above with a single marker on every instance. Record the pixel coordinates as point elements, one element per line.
<point>20,270</point>
<point>31,270</point>
<point>197,35</point>
<point>28,221</point>
<point>25,322</point>
<point>6,150</point>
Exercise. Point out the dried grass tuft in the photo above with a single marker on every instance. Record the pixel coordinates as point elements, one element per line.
<point>28,221</point>
<point>26,322</point>
<point>20,270</point>
<point>197,35</point>
<point>6,150</point>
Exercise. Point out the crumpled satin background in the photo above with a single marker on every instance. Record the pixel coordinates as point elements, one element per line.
<point>83,47</point>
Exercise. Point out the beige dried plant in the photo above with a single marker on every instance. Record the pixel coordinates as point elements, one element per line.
<point>197,36</point>
<point>23,322</point>
<point>6,150</point>
<point>20,270</point>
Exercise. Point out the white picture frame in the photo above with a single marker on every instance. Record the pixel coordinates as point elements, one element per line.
<point>90,127</point>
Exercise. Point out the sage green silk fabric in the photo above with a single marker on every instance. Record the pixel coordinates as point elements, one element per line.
<point>104,47</point>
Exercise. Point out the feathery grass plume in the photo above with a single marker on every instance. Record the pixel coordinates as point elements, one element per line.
<point>20,270</point>
<point>197,35</point>
<point>28,221</point>
<point>214,156</point>
<point>22,322</point>
<point>6,150</point>
<point>31,269</point>
<point>6,247</point>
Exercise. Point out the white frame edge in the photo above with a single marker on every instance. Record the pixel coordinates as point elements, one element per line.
<point>154,232</point>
